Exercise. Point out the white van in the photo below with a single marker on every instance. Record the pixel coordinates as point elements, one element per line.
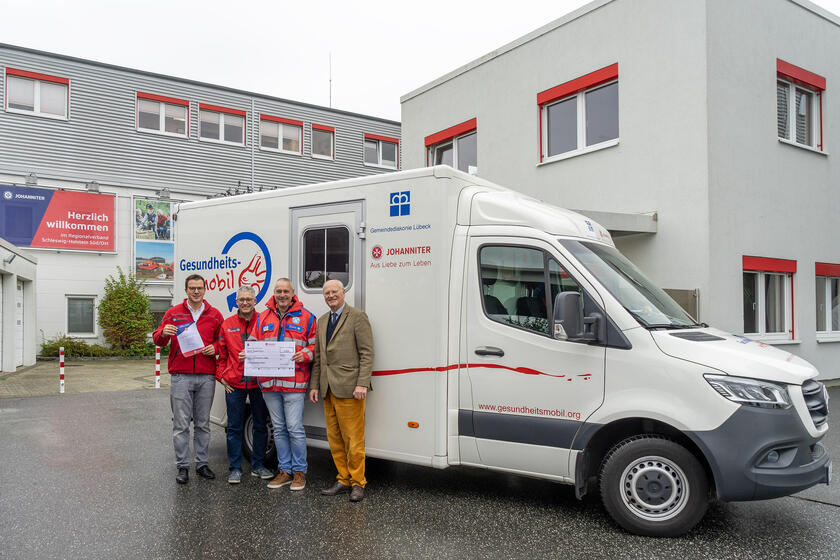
<point>512,335</point>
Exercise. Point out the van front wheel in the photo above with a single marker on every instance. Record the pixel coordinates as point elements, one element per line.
<point>653,486</point>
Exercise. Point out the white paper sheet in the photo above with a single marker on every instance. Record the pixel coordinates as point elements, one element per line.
<point>269,358</point>
<point>189,339</point>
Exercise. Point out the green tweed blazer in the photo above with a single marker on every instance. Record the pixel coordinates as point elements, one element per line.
<point>347,360</point>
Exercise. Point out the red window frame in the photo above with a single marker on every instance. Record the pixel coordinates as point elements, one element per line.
<point>445,135</point>
<point>381,138</point>
<point>227,111</point>
<point>162,99</point>
<point>786,266</point>
<point>572,87</point>
<point>807,79</point>
<point>284,120</point>
<point>827,269</point>
<point>36,76</point>
<point>325,128</point>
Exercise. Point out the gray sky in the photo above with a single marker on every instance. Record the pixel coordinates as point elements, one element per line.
<point>380,49</point>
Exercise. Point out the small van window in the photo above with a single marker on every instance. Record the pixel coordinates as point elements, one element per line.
<point>519,285</point>
<point>326,256</point>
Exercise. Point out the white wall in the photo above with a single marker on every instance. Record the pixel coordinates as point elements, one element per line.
<point>767,198</point>
<point>16,264</point>
<point>660,162</point>
<point>698,140</point>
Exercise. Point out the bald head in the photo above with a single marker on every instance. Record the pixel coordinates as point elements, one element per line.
<point>334,294</point>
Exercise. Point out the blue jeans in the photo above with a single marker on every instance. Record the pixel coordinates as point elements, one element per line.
<point>235,420</point>
<point>286,410</point>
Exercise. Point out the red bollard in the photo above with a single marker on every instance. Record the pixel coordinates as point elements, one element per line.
<point>157,367</point>
<point>61,370</point>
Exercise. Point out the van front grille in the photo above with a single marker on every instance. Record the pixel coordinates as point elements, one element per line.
<point>816,399</point>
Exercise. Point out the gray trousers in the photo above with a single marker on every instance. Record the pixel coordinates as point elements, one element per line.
<point>191,395</point>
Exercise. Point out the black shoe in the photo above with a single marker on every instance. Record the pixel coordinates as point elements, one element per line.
<point>335,489</point>
<point>357,494</point>
<point>183,476</point>
<point>204,471</point>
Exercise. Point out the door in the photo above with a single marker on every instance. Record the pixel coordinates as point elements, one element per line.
<point>530,391</point>
<point>327,244</point>
<point>19,324</point>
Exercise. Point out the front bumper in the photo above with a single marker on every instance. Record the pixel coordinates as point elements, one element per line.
<point>759,454</point>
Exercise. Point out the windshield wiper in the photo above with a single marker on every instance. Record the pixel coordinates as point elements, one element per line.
<point>671,326</point>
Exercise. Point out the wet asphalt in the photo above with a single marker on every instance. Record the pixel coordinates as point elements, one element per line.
<point>92,476</point>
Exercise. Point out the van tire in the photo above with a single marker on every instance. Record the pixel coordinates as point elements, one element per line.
<point>270,460</point>
<point>653,486</point>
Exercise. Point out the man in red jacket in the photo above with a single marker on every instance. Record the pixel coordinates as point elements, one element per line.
<point>229,372</point>
<point>287,319</point>
<point>193,376</point>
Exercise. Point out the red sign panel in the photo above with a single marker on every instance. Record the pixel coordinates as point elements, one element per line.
<point>70,220</point>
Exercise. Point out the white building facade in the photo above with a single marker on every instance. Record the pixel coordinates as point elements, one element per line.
<point>94,158</point>
<point>708,126</point>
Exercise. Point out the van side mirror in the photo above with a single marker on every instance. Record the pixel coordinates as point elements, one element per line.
<point>569,322</point>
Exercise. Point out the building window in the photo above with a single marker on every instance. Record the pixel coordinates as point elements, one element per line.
<point>165,115</point>
<point>157,308</point>
<point>579,116</point>
<point>219,124</point>
<point>281,135</point>
<point>799,105</point>
<point>768,298</point>
<point>37,94</point>
<point>456,147</point>
<point>81,316</point>
<point>323,141</point>
<point>326,256</point>
<point>381,151</point>
<point>827,300</point>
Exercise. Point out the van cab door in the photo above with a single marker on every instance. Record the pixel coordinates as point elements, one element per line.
<point>530,392</point>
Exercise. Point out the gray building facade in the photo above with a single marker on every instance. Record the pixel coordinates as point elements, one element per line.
<point>702,134</point>
<point>77,126</point>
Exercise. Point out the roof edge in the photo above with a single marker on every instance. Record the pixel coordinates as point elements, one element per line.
<point>539,32</point>
<point>192,82</point>
<point>818,10</point>
<point>571,16</point>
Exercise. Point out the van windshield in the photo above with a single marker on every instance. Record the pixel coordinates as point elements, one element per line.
<point>651,306</point>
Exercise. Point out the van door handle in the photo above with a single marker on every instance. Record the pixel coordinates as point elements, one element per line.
<point>489,351</point>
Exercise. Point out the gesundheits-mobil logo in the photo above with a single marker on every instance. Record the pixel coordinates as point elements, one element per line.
<point>400,203</point>
<point>243,261</point>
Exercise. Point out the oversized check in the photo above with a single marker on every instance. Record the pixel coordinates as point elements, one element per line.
<point>269,358</point>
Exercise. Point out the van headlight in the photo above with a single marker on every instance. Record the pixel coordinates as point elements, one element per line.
<point>750,392</point>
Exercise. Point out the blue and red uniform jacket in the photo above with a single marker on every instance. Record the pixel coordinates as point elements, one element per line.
<point>234,333</point>
<point>208,324</point>
<point>297,324</point>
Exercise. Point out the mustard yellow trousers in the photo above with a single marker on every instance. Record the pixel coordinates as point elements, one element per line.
<point>345,420</point>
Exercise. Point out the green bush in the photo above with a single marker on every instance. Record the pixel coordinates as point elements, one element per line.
<point>124,314</point>
<point>73,348</point>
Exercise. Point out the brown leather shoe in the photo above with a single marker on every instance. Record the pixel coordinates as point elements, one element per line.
<point>299,483</point>
<point>281,479</point>
<point>357,494</point>
<point>335,489</point>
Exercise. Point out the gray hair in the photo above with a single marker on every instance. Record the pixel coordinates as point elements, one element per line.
<point>340,283</point>
<point>248,289</point>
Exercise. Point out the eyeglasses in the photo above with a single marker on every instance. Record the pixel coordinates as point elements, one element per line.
<point>245,300</point>
<point>196,288</point>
